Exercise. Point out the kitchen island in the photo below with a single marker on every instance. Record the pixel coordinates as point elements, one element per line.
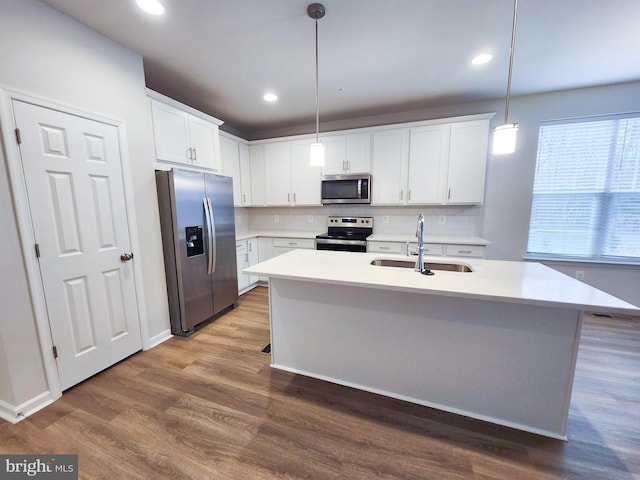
<point>498,343</point>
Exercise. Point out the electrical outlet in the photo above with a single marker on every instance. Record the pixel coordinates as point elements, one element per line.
<point>276,218</point>
<point>442,219</point>
<point>385,219</point>
<point>579,274</point>
<point>310,218</point>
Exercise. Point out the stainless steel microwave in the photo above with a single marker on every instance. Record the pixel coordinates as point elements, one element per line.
<point>347,188</point>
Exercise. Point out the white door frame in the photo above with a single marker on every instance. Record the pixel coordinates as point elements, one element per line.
<point>25,225</point>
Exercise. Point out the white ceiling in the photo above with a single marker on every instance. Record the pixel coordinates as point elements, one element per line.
<point>376,56</point>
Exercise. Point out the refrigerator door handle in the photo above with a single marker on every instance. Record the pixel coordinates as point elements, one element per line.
<point>207,218</point>
<point>211,228</point>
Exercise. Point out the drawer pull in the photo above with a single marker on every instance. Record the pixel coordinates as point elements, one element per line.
<point>464,251</point>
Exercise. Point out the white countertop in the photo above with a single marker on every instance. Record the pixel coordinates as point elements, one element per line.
<point>376,237</point>
<point>514,282</point>
<point>450,239</point>
<point>275,234</point>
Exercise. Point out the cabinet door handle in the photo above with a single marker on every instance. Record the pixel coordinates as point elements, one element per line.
<point>409,194</point>
<point>449,195</point>
<point>288,197</point>
<point>195,155</point>
<point>294,198</point>
<point>402,194</point>
<point>244,198</point>
<point>190,154</point>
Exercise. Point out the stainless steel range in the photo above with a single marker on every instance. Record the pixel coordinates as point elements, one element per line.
<point>347,234</point>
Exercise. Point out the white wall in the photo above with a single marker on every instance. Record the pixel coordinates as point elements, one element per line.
<point>48,54</point>
<point>510,179</point>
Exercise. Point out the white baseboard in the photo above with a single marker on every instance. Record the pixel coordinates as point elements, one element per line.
<point>14,414</point>
<point>157,339</point>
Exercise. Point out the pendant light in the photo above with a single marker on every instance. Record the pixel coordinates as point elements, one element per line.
<point>316,149</point>
<point>504,136</point>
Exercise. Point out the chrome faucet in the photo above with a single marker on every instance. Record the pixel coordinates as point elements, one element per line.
<point>420,260</point>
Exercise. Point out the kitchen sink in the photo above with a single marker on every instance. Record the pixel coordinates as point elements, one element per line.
<point>450,267</point>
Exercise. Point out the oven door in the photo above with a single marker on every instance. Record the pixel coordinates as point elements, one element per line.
<point>341,245</point>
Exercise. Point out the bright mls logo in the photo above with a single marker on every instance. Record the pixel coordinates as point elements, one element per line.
<point>51,467</point>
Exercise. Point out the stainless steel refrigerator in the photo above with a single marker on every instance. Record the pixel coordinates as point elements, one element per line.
<point>199,240</point>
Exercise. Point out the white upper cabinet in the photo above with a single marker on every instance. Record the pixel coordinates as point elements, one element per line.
<point>467,162</point>
<point>245,174</point>
<point>389,177</point>
<point>184,137</point>
<point>347,153</point>
<point>428,151</point>
<point>434,164</point>
<point>286,177</point>
<point>277,160</point>
<point>305,178</point>
<point>335,154</point>
<point>235,164</point>
<point>171,132</point>
<point>258,174</point>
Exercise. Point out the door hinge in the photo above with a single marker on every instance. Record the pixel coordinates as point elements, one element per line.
<point>18,136</point>
<point>55,352</point>
<point>37,246</point>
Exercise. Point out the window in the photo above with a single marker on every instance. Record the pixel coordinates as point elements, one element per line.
<point>586,192</point>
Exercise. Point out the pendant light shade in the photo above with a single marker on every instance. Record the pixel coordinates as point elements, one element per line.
<point>316,154</point>
<point>504,136</point>
<point>316,149</point>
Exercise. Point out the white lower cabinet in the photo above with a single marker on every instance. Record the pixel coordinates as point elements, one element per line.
<point>431,249</point>
<point>246,256</point>
<point>284,245</point>
<point>385,247</point>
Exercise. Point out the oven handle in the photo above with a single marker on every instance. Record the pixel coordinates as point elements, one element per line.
<point>333,241</point>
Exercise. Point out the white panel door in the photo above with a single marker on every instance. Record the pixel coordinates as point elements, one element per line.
<point>74,184</point>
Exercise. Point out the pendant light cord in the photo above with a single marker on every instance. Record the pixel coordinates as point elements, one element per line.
<point>513,42</point>
<point>317,95</point>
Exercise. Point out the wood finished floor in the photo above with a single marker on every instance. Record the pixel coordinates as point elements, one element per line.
<point>210,407</point>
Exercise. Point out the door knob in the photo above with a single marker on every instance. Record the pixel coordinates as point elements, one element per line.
<point>125,257</point>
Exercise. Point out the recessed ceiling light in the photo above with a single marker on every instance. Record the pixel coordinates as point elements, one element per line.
<point>482,58</point>
<point>154,7</point>
<point>270,97</point>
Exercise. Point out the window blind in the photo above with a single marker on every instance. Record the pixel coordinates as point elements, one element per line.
<point>586,192</point>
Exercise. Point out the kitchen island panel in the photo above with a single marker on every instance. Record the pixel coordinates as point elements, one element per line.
<point>506,363</point>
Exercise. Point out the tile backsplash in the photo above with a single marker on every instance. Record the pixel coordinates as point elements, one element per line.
<point>445,220</point>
